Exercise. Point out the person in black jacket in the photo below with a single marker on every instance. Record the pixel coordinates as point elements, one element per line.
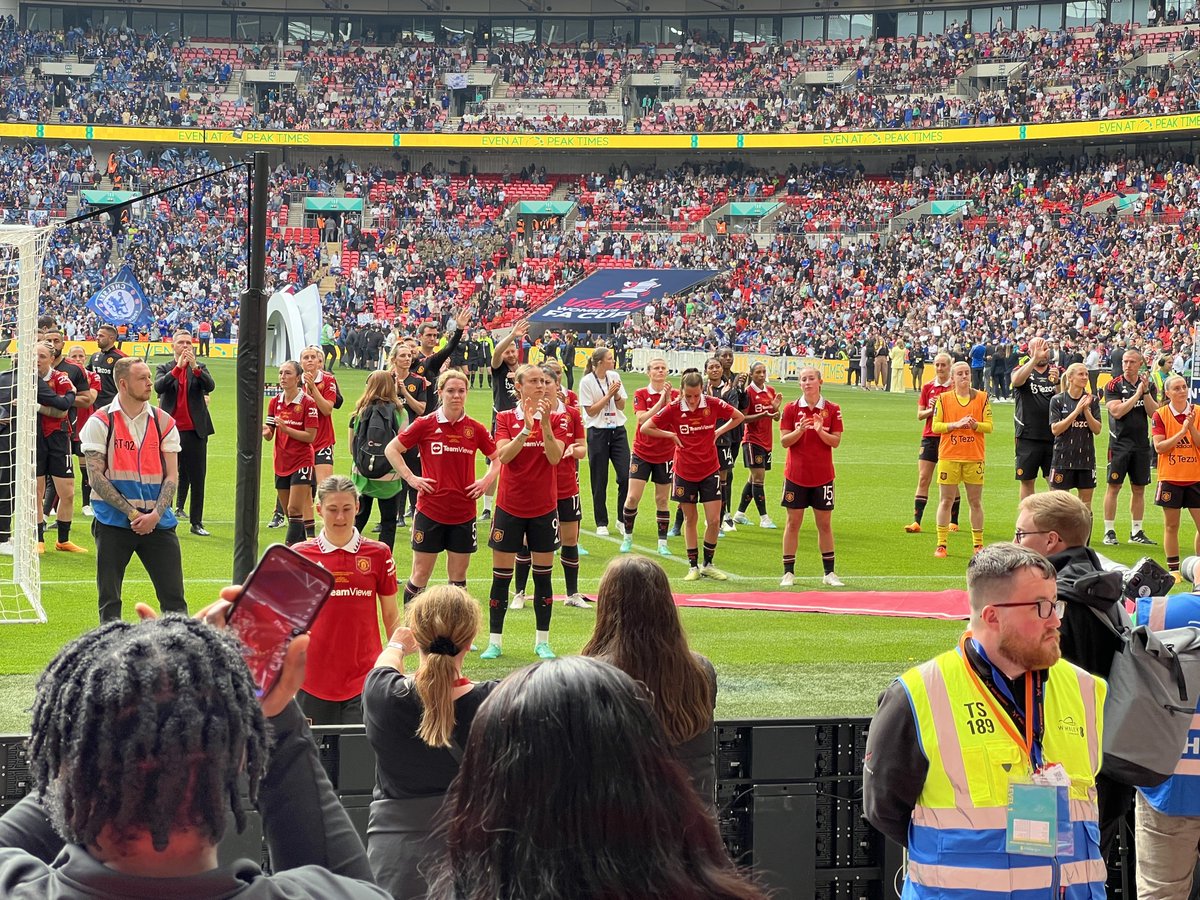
<point>427,363</point>
<point>1057,524</point>
<point>143,737</point>
<point>183,387</point>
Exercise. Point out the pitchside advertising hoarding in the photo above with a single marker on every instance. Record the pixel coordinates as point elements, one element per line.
<point>608,296</point>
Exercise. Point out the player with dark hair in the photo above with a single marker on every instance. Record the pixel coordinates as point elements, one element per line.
<point>653,459</point>
<point>761,405</point>
<point>345,637</point>
<point>292,421</point>
<point>1131,399</point>
<point>502,372</point>
<point>143,738</point>
<point>1034,382</point>
<point>691,424</point>
<point>809,429</point>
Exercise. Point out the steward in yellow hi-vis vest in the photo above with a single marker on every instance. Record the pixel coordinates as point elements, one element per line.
<point>983,761</point>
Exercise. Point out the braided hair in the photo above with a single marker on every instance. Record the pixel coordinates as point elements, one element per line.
<point>146,726</point>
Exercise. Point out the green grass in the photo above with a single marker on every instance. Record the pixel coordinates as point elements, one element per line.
<point>770,664</point>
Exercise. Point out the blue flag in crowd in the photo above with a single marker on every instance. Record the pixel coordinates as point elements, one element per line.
<point>122,301</point>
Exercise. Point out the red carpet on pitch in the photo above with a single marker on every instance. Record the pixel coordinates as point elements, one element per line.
<point>908,604</point>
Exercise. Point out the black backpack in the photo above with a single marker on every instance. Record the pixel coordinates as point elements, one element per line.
<point>375,429</point>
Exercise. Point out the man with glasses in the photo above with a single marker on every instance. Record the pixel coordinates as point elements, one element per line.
<point>1058,525</point>
<point>952,735</point>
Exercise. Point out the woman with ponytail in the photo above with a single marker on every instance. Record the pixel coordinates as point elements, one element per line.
<point>417,725</point>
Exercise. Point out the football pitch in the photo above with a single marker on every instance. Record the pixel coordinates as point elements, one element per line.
<point>769,664</point>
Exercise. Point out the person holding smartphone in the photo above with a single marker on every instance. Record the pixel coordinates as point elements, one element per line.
<point>292,421</point>
<point>346,637</point>
<point>417,724</point>
<point>130,817</point>
<point>448,442</point>
<point>526,505</point>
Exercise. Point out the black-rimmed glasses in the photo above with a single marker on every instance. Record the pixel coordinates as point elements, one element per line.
<point>1044,607</point>
<point>1020,535</point>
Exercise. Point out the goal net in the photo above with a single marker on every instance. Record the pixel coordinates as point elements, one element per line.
<point>22,253</point>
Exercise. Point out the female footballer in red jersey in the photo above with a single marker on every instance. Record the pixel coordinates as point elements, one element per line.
<point>927,458</point>
<point>79,356</point>
<point>292,420</point>
<point>652,458</point>
<point>345,639</point>
<point>809,429</point>
<point>761,407</point>
<point>570,512</point>
<point>322,389</point>
<point>526,504</point>
<point>448,441</point>
<point>691,423</point>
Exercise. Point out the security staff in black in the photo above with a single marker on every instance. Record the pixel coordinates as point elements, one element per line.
<point>102,362</point>
<point>1034,383</point>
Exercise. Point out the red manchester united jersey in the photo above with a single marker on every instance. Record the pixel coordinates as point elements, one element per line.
<point>448,457</point>
<point>345,637</point>
<point>292,455</point>
<point>652,450</point>
<point>528,484</point>
<point>568,428</point>
<point>62,385</point>
<point>327,386</point>
<point>760,432</point>
<point>810,459</point>
<point>929,394</point>
<point>697,458</point>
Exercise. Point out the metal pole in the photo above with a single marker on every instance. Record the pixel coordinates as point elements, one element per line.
<point>251,368</point>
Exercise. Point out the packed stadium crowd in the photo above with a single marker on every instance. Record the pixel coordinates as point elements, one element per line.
<point>151,79</point>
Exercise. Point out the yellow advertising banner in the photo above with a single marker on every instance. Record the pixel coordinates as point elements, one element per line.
<point>909,137</point>
<point>148,350</point>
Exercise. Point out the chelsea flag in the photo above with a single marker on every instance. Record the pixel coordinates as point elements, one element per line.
<point>122,301</point>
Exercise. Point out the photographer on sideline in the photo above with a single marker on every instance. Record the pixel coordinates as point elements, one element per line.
<point>1057,525</point>
<point>143,736</point>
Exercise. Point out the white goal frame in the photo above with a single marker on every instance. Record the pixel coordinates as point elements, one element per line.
<point>20,574</point>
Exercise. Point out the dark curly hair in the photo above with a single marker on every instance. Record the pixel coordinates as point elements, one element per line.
<point>146,726</point>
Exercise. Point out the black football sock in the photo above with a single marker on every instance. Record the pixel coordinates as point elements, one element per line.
<point>628,517</point>
<point>760,499</point>
<point>827,562</point>
<point>310,528</point>
<point>498,599</point>
<point>747,496</point>
<point>693,557</point>
<point>919,504</point>
<point>524,562</point>
<point>789,565</point>
<point>64,531</point>
<point>570,565</point>
<point>662,518</point>
<point>295,531</point>
<point>543,594</point>
<point>410,591</point>
<point>709,551</point>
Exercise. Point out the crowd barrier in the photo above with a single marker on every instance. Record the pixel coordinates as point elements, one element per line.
<point>789,806</point>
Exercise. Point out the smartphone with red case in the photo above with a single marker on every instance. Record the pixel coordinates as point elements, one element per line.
<point>279,601</point>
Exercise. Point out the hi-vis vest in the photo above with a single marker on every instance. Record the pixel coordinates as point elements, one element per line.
<point>962,445</point>
<point>1180,465</point>
<point>1179,795</point>
<point>136,470</point>
<point>956,839</point>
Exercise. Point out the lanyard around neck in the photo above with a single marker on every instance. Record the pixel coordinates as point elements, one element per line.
<point>1026,743</point>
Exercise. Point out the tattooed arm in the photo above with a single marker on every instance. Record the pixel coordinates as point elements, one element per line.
<point>166,493</point>
<point>103,488</point>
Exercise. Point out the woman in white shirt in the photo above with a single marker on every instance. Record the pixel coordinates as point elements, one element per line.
<point>602,401</point>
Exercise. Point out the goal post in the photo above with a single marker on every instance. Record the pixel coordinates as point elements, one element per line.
<point>22,255</point>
